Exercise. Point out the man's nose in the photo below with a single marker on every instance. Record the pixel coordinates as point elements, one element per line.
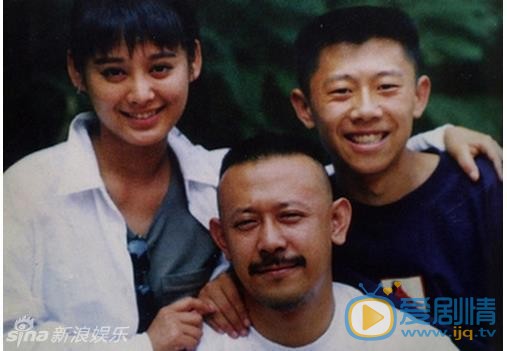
<point>271,237</point>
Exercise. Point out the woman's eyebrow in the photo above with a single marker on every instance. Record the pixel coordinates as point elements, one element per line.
<point>107,59</point>
<point>163,54</point>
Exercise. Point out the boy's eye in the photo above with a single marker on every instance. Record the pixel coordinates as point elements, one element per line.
<point>342,91</point>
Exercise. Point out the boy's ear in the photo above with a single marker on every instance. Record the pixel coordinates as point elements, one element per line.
<point>340,216</point>
<point>422,95</point>
<point>302,108</point>
<point>75,76</point>
<point>217,234</point>
<point>196,64</point>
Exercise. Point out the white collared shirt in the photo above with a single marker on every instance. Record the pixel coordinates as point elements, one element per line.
<point>65,247</point>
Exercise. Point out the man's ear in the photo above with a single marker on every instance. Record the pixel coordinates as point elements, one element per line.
<point>74,75</point>
<point>422,95</point>
<point>196,64</point>
<point>217,234</point>
<point>302,108</point>
<point>340,216</point>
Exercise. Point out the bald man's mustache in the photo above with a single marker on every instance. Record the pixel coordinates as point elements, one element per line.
<point>275,261</point>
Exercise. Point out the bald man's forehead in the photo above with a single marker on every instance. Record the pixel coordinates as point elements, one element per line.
<point>298,175</point>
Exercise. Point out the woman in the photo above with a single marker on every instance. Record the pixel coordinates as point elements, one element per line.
<point>125,169</point>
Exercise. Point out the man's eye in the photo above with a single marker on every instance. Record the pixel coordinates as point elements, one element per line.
<point>291,217</point>
<point>245,225</point>
<point>387,87</point>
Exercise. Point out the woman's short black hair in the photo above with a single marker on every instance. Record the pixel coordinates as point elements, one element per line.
<point>97,26</point>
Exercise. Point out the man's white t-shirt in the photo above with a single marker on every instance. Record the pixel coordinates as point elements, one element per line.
<point>336,337</point>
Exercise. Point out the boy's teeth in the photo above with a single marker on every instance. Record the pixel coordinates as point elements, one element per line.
<point>367,138</point>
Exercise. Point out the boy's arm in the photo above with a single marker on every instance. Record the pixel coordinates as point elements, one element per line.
<point>231,316</point>
<point>463,145</point>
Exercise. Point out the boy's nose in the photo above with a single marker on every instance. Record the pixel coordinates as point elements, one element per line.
<point>365,107</point>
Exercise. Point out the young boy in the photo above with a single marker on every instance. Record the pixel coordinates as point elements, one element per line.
<point>417,220</point>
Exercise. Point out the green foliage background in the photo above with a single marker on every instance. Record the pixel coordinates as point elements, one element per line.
<point>248,68</point>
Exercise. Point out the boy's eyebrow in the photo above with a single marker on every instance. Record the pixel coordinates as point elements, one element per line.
<point>346,76</point>
<point>336,77</point>
<point>115,59</point>
<point>392,72</point>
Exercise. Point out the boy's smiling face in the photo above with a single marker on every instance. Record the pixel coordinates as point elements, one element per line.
<point>363,98</point>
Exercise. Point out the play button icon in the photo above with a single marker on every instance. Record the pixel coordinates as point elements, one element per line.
<point>370,318</point>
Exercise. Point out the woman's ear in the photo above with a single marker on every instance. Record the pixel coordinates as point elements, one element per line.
<point>196,63</point>
<point>74,74</point>
<point>302,108</point>
<point>341,214</point>
<point>217,234</point>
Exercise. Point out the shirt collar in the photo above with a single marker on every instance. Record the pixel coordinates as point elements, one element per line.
<point>195,161</point>
<point>80,167</point>
<point>81,170</point>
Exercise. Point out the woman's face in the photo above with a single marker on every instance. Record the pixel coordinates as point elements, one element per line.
<point>138,97</point>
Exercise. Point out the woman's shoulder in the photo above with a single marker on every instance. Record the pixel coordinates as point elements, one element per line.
<point>38,173</point>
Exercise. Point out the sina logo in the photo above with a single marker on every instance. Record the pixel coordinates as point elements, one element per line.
<point>370,317</point>
<point>23,331</point>
<point>24,323</point>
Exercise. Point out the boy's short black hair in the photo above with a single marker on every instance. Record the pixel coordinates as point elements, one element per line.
<point>354,25</point>
<point>97,26</point>
<point>267,144</point>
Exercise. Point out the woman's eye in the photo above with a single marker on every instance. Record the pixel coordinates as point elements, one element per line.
<point>161,70</point>
<point>113,73</point>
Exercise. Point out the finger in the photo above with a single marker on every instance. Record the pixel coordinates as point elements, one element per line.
<point>231,292</point>
<point>192,331</point>
<point>190,318</point>
<point>211,322</point>
<point>227,316</point>
<point>219,323</point>
<point>210,318</point>
<point>187,342</point>
<point>494,153</point>
<point>192,304</point>
<point>467,163</point>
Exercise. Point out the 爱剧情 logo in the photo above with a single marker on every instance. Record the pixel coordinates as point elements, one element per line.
<point>370,317</point>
